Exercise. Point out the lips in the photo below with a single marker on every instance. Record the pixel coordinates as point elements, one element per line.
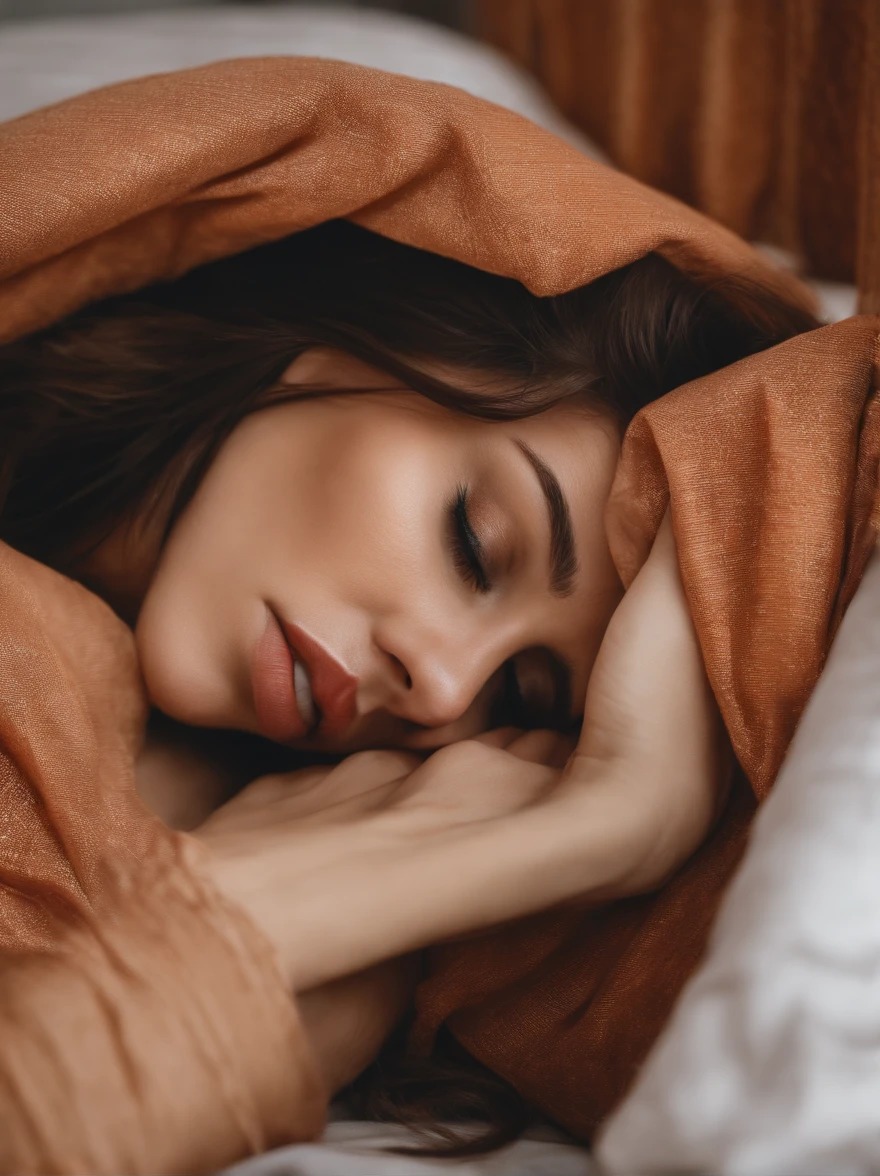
<point>334,689</point>
<point>299,688</point>
<point>272,674</point>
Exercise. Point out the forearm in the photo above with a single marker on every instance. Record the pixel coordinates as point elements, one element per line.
<point>404,878</point>
<point>347,1021</point>
<point>652,740</point>
<point>406,855</point>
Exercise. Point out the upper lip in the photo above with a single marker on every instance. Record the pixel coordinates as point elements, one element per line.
<point>334,688</point>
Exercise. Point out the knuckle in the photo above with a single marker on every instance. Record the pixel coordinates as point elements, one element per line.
<point>380,763</point>
<point>469,752</point>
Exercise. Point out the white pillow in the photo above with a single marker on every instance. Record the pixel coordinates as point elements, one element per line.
<point>357,1149</point>
<point>47,60</point>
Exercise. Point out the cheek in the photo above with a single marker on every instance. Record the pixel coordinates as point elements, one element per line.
<point>197,623</point>
<point>204,609</point>
<point>376,521</point>
<point>336,534</point>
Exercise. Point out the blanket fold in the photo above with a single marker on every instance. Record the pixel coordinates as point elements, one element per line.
<point>770,468</point>
<point>144,1025</point>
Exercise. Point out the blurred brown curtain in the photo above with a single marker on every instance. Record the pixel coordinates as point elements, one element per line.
<point>763,113</point>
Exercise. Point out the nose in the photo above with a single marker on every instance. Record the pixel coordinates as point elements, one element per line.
<point>434,677</point>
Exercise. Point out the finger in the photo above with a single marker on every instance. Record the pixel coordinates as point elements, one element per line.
<point>367,776</point>
<point>550,748</point>
<point>475,780</point>
<point>499,737</point>
<point>279,786</point>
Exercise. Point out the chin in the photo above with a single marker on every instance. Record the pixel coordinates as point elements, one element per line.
<point>180,682</point>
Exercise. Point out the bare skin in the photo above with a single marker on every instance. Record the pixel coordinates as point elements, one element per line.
<point>338,514</point>
<point>349,865</point>
<point>381,855</point>
<point>342,514</point>
<point>185,775</point>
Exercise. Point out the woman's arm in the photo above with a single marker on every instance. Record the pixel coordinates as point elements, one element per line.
<point>361,866</point>
<point>183,775</point>
<point>348,1020</point>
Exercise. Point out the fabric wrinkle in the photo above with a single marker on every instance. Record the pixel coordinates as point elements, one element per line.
<point>106,918</point>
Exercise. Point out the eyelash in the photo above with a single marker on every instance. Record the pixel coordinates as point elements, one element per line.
<point>466,545</point>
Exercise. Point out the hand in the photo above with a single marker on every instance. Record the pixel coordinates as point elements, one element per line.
<point>651,722</point>
<point>367,780</point>
<point>382,855</point>
<point>304,852</point>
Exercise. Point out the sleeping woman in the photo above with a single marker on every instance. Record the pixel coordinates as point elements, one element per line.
<point>349,496</point>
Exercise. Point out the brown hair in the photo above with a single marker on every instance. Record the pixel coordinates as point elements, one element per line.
<point>101,412</point>
<point>98,412</point>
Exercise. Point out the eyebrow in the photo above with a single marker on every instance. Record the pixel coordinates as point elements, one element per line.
<point>563,559</point>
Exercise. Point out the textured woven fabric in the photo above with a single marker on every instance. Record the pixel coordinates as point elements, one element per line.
<point>763,113</point>
<point>146,179</point>
<point>770,469</point>
<point>771,481</point>
<point>144,1026</point>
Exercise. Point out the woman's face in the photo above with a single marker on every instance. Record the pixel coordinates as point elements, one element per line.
<point>367,569</point>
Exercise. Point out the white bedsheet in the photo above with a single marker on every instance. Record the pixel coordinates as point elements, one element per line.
<point>356,1149</point>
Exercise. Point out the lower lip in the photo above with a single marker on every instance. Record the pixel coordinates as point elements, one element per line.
<point>278,715</point>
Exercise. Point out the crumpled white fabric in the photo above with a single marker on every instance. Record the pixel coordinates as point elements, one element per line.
<point>356,1149</point>
<point>770,1065</point>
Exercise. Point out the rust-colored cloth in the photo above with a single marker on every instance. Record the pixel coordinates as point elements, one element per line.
<point>771,470</point>
<point>162,997</point>
<point>144,1026</point>
<point>763,113</point>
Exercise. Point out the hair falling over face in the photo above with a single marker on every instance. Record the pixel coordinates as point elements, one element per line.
<point>102,411</point>
<point>129,400</point>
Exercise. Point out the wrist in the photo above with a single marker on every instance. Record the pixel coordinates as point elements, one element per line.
<point>249,878</point>
<point>302,899</point>
<point>632,822</point>
<point>348,1020</point>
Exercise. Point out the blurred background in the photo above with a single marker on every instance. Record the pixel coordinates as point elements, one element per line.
<point>763,113</point>
<point>453,13</point>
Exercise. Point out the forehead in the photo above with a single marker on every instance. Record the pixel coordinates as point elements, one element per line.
<point>579,445</point>
<point>566,425</point>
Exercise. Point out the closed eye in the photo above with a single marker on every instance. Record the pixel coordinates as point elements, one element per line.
<point>467,551</point>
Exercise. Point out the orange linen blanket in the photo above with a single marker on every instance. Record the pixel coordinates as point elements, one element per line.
<point>142,1024</point>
